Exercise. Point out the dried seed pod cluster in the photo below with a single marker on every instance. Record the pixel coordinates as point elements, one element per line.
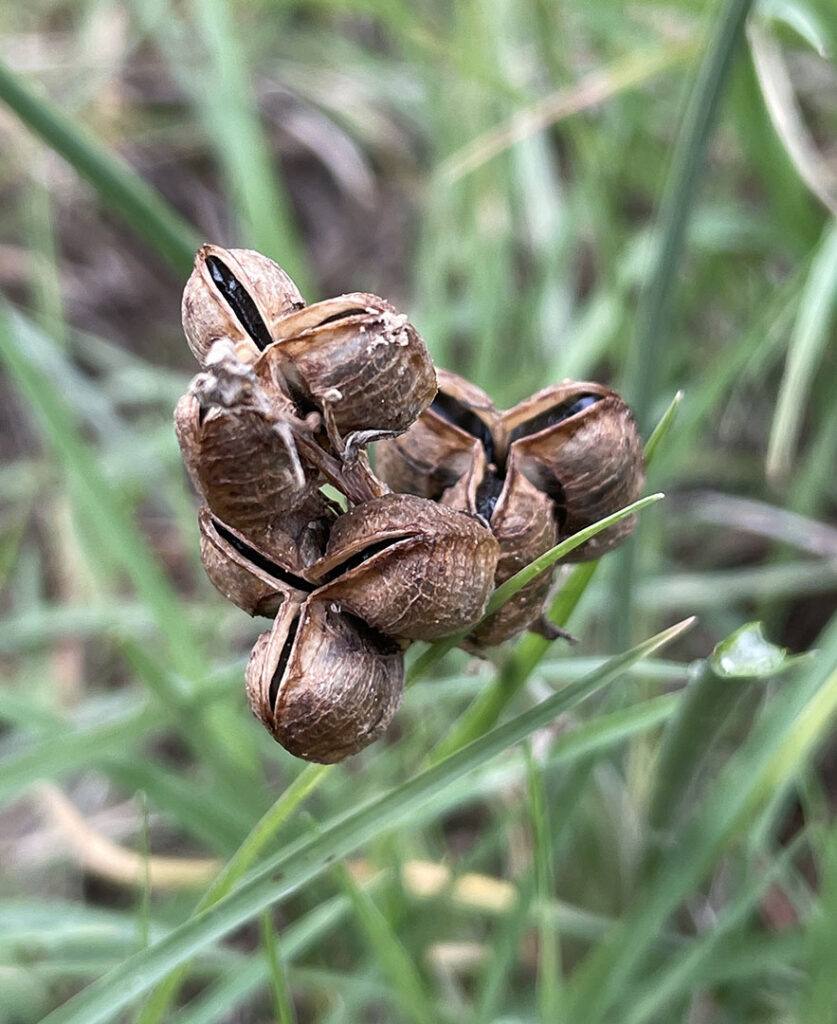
<point>558,462</point>
<point>288,398</point>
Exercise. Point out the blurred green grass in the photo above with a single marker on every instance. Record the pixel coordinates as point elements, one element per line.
<point>644,195</point>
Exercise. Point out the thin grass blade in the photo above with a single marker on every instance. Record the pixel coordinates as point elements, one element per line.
<point>285,873</point>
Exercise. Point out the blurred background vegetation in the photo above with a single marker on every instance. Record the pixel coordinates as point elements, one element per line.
<point>641,194</point>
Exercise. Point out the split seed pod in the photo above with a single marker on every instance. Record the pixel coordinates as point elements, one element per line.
<point>579,444</point>
<point>237,294</point>
<point>323,683</point>
<point>260,580</point>
<point>409,567</point>
<point>522,518</point>
<point>437,450</point>
<point>357,360</point>
<point>243,458</point>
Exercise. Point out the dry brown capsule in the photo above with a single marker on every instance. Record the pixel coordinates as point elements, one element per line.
<point>236,294</point>
<point>324,684</point>
<point>438,450</point>
<point>260,580</point>
<point>358,361</point>
<point>409,567</point>
<point>522,519</point>
<point>579,444</point>
<point>242,455</point>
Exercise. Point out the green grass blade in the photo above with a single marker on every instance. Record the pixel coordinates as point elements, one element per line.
<point>676,207</point>
<point>235,869</point>
<point>485,710</point>
<point>389,955</point>
<point>106,512</point>
<point>776,751</point>
<point>810,337</point>
<point>816,1000</point>
<point>497,972</point>
<point>683,972</point>
<point>232,118</point>
<point>46,759</point>
<point>718,683</point>
<point>646,358</point>
<point>282,1001</point>
<point>549,986</point>
<point>284,874</point>
<point>97,738</point>
<point>140,206</point>
<point>658,434</point>
<point>237,986</point>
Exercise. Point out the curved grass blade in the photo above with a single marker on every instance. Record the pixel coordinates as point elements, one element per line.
<point>780,745</point>
<point>284,874</point>
<point>593,737</point>
<point>817,306</point>
<point>658,434</point>
<point>235,868</point>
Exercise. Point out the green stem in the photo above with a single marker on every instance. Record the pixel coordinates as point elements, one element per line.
<point>643,372</point>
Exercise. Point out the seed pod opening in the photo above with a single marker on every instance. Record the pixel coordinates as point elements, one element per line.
<point>324,683</point>
<point>438,449</point>
<point>579,444</point>
<point>236,294</point>
<point>409,567</point>
<point>357,360</point>
<point>522,519</point>
<point>258,583</point>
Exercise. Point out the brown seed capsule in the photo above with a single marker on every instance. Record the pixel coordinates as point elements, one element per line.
<point>236,294</point>
<point>242,457</point>
<point>258,580</point>
<point>579,444</point>
<point>522,519</point>
<point>438,449</point>
<point>409,567</point>
<point>323,683</point>
<point>357,360</point>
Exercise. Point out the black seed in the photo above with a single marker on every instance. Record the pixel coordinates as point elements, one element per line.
<point>362,556</point>
<point>488,493</point>
<point>344,315</point>
<point>239,301</point>
<point>557,414</point>
<point>287,647</point>
<point>274,570</point>
<point>452,410</point>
